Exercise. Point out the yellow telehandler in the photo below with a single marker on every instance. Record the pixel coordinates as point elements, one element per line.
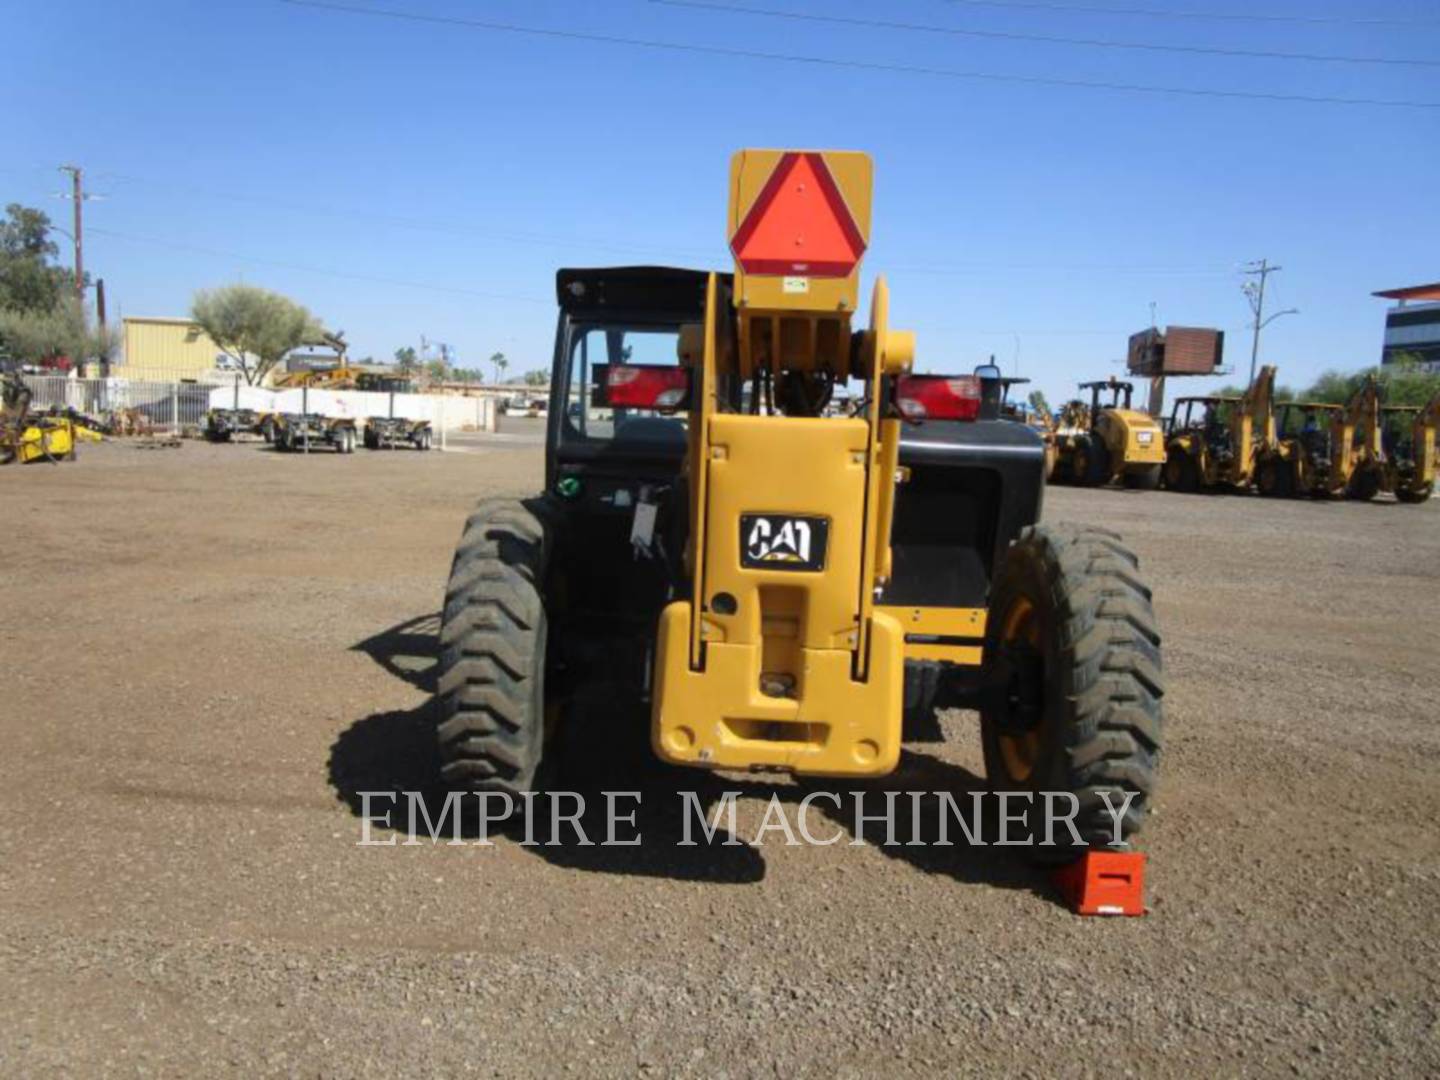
<point>1213,440</point>
<point>717,558</point>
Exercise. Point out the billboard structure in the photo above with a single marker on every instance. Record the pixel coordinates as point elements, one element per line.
<point>1179,350</point>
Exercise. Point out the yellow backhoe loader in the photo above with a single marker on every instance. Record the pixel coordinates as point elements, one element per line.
<point>1357,460</point>
<point>1214,440</point>
<point>1299,461</point>
<point>1410,453</point>
<point>718,559</point>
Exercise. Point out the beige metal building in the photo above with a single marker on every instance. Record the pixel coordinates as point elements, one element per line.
<point>166,349</point>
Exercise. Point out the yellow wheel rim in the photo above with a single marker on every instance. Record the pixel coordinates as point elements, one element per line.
<point>1020,753</point>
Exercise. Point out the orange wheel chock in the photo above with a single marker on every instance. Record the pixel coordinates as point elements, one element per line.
<point>1104,883</point>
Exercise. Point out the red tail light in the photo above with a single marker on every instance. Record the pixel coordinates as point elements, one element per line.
<point>636,386</point>
<point>938,397</point>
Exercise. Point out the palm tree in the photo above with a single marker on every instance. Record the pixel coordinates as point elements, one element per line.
<point>500,364</point>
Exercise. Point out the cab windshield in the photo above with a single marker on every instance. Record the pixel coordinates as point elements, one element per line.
<point>594,345</point>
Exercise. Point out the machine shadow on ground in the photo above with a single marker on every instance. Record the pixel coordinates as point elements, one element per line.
<point>394,752</point>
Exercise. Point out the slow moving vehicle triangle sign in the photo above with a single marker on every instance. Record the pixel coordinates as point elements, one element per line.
<point>799,224</point>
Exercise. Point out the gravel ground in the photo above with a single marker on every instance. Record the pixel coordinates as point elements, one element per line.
<point>209,651</point>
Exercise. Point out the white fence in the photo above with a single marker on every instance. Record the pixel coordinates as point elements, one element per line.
<point>178,405</point>
<point>171,405</point>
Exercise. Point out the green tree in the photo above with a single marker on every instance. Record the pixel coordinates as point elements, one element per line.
<point>538,377</point>
<point>406,360</point>
<point>438,370</point>
<point>1403,381</point>
<point>255,327</point>
<point>498,359</point>
<point>1038,402</point>
<point>35,337</point>
<point>28,280</point>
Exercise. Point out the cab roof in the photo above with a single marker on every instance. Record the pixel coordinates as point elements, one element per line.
<point>665,291</point>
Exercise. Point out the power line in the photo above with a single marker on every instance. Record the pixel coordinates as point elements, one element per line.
<point>946,269</point>
<point>399,221</point>
<point>960,270</point>
<point>1172,13</point>
<point>833,62</point>
<point>324,271</point>
<point>1006,35</point>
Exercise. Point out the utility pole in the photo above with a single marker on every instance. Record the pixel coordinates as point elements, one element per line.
<point>77,196</point>
<point>1256,295</point>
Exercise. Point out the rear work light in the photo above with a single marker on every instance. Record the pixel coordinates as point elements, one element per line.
<point>938,397</point>
<point>638,386</point>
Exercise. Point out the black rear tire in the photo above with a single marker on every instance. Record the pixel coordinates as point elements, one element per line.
<point>1074,681</point>
<point>1092,462</point>
<point>1276,478</point>
<point>1414,495</point>
<point>1363,486</point>
<point>1181,473</point>
<point>490,701</point>
<point>1146,479</point>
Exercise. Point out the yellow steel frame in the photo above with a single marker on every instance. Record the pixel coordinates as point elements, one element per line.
<point>949,635</point>
<point>771,667</point>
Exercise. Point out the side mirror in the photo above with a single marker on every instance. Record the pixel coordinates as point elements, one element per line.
<point>991,391</point>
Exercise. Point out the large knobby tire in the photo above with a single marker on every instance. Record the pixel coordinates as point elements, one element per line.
<point>1074,682</point>
<point>490,700</point>
<point>1414,494</point>
<point>1143,479</point>
<point>1364,485</point>
<point>1092,462</point>
<point>1277,478</point>
<point>1182,474</point>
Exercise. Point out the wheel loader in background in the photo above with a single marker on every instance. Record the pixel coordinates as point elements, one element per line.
<point>1112,441</point>
<point>1214,441</point>
<point>716,559</point>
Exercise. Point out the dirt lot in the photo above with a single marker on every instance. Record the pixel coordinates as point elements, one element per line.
<point>209,651</point>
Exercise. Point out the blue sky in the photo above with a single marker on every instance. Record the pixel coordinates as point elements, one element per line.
<point>405,178</point>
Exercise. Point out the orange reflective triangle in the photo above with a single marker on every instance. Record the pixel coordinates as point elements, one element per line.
<point>799,224</point>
